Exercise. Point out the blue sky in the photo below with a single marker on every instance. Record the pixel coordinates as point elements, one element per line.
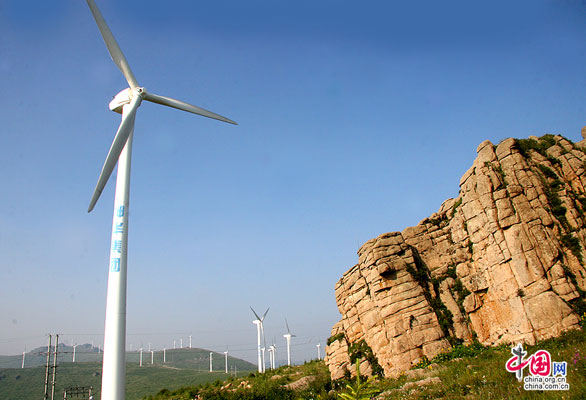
<point>354,120</point>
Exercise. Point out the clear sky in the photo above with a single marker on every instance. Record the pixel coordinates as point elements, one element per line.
<point>355,119</point>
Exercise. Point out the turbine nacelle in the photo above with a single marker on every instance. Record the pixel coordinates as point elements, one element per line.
<point>125,97</point>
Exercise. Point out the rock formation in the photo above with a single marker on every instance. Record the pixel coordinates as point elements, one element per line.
<point>500,263</point>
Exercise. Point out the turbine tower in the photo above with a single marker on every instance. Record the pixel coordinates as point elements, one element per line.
<point>272,350</point>
<point>126,103</point>
<point>226,361</point>
<point>318,352</point>
<point>74,346</point>
<point>288,336</point>
<point>260,329</point>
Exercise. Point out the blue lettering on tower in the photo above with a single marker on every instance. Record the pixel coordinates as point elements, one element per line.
<point>115,265</point>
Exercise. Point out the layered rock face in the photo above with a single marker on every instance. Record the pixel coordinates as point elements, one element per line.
<point>502,262</point>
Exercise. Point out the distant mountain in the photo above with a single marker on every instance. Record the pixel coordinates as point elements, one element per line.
<point>185,358</point>
<point>182,367</point>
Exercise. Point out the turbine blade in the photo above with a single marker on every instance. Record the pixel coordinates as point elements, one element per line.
<point>113,48</point>
<point>180,105</point>
<point>265,314</point>
<point>255,314</point>
<point>118,144</point>
<point>288,331</point>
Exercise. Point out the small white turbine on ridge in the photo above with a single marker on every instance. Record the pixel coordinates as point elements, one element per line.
<point>272,350</point>
<point>260,330</point>
<point>126,103</point>
<point>288,336</point>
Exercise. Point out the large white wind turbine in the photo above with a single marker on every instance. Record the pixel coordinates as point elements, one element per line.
<point>288,336</point>
<point>126,103</point>
<point>260,330</point>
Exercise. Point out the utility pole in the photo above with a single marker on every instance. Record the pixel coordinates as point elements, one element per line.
<point>46,397</point>
<point>54,366</point>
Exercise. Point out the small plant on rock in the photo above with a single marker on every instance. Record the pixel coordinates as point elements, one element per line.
<point>359,390</point>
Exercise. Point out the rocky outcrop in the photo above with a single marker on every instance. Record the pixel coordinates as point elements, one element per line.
<point>502,262</point>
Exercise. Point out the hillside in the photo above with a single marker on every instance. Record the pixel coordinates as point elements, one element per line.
<point>500,263</point>
<point>183,367</point>
<point>467,372</point>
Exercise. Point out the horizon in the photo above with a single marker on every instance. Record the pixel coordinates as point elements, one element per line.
<point>353,122</point>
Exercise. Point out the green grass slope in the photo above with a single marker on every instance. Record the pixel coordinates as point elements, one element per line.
<point>467,372</point>
<point>184,367</point>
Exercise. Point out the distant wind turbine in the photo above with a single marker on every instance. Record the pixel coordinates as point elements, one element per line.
<point>260,329</point>
<point>318,352</point>
<point>226,361</point>
<point>272,350</point>
<point>288,336</point>
<point>126,103</point>
<point>74,346</point>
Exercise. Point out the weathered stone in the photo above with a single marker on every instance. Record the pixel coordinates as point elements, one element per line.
<point>513,276</point>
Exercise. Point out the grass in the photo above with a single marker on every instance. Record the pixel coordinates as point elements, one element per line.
<point>466,372</point>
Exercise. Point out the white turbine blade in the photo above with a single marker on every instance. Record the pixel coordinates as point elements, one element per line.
<point>265,314</point>
<point>288,331</point>
<point>255,314</point>
<point>118,144</point>
<point>112,45</point>
<point>180,105</point>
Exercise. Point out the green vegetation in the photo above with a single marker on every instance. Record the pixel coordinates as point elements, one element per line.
<point>540,146</point>
<point>422,276</point>
<point>499,170</point>
<point>333,338</point>
<point>439,220</point>
<point>183,367</point>
<point>361,351</point>
<point>573,244</point>
<point>267,386</point>
<point>457,204</point>
<point>359,390</point>
<point>473,371</point>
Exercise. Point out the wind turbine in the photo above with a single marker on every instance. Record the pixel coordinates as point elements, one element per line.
<point>259,328</point>
<point>126,103</point>
<point>288,336</point>
<point>318,352</point>
<point>272,350</point>
<point>74,346</point>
